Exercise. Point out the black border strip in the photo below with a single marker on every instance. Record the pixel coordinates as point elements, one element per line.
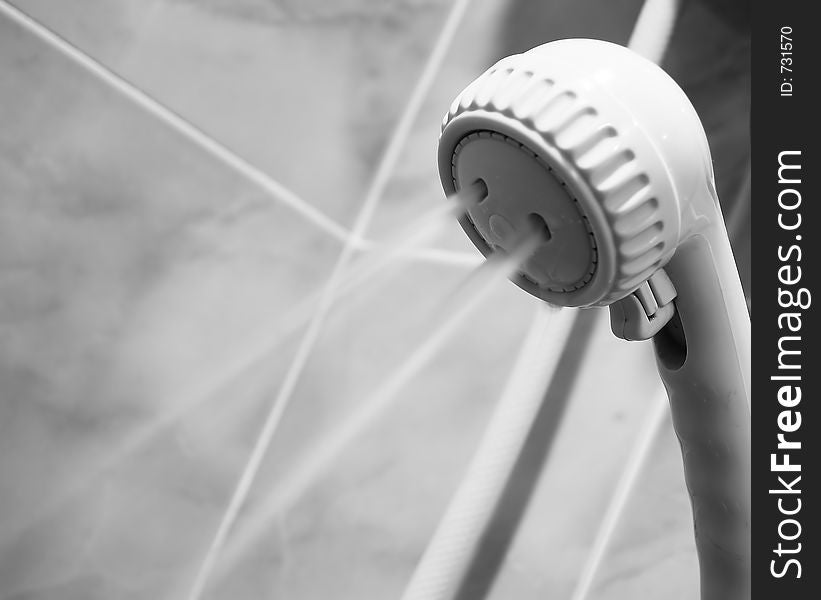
<point>784,125</point>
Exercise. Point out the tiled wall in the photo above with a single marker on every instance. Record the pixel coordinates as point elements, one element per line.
<point>138,270</point>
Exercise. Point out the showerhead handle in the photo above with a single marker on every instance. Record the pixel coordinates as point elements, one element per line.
<point>603,152</point>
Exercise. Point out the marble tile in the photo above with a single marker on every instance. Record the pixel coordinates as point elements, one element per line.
<point>136,270</point>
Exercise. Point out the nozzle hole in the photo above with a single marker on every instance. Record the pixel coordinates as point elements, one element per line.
<point>480,188</point>
<point>536,222</point>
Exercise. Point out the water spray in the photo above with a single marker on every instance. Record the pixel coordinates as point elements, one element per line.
<point>599,150</point>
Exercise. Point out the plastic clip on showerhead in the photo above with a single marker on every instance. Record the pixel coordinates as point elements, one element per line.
<point>600,149</point>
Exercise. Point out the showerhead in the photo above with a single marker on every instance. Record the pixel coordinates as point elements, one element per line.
<point>591,142</point>
<point>599,150</point>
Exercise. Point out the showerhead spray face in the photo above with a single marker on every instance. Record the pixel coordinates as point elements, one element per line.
<point>591,139</point>
<point>599,149</point>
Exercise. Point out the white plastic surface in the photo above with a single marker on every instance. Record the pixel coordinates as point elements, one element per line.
<point>631,148</point>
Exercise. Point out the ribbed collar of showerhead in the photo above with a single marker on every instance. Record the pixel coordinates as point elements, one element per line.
<point>617,134</point>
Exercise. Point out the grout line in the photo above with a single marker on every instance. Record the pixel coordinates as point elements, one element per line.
<point>618,501</point>
<point>446,560</point>
<point>326,301</point>
<point>176,122</point>
<point>215,148</point>
<point>317,461</point>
